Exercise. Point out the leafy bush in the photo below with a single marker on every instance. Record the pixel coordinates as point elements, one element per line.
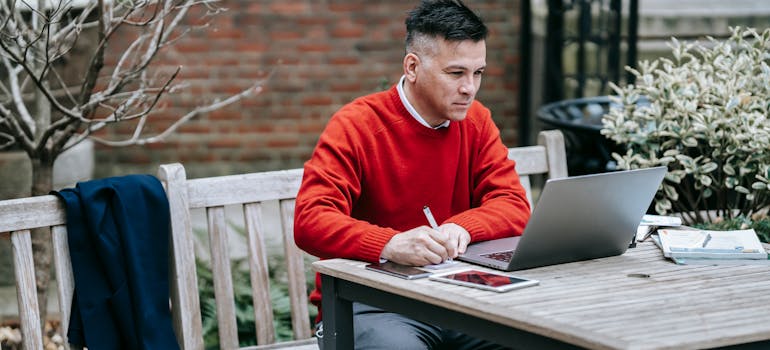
<point>761,225</point>
<point>704,116</point>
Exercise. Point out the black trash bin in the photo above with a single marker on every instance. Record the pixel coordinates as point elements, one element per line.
<point>580,120</point>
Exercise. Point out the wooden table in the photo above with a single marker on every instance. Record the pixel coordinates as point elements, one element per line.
<point>638,300</point>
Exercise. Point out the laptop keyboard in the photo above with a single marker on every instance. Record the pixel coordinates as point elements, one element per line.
<point>504,256</point>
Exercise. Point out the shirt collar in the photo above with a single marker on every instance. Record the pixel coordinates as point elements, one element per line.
<point>410,108</point>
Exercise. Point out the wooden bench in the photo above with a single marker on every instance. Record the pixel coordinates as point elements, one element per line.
<point>247,191</point>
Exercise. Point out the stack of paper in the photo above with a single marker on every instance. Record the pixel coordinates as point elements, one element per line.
<point>650,223</point>
<point>692,246</point>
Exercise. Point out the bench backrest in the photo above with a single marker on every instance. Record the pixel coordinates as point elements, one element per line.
<point>547,158</point>
<point>247,191</point>
<point>19,217</point>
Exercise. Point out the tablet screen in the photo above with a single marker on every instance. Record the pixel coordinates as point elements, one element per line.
<point>483,278</point>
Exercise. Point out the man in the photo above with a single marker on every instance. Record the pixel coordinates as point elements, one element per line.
<point>423,142</point>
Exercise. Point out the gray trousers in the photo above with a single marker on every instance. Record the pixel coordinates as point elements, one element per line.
<point>378,329</point>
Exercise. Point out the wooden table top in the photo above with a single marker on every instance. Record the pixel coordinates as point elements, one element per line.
<point>638,300</point>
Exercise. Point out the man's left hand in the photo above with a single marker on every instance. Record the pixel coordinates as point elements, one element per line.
<point>458,238</point>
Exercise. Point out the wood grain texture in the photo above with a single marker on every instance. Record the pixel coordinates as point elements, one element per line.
<point>65,280</point>
<point>529,159</point>
<point>553,141</point>
<point>26,292</point>
<point>295,267</point>
<point>185,303</point>
<point>245,188</point>
<point>603,304</point>
<point>31,212</point>
<point>223,278</point>
<point>258,271</point>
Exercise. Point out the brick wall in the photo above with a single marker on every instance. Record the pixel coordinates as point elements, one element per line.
<point>319,55</point>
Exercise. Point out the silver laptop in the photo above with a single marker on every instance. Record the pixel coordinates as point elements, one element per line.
<point>576,218</point>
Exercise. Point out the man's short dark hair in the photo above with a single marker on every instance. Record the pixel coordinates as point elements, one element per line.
<point>447,19</point>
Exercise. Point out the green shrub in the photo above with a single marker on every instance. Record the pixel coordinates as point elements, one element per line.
<point>704,116</point>
<point>761,226</point>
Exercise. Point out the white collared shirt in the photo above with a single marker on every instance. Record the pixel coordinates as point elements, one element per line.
<point>410,108</point>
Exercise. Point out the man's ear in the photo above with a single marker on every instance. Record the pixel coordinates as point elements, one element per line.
<point>411,62</point>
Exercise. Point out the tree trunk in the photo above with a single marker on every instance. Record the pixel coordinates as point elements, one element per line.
<point>42,184</point>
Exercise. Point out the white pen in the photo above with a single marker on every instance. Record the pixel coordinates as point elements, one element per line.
<point>433,223</point>
<point>429,216</point>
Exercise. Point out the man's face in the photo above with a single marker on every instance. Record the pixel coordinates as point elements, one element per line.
<point>445,79</point>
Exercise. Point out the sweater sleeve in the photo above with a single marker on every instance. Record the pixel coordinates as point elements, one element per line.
<point>331,184</point>
<point>499,203</point>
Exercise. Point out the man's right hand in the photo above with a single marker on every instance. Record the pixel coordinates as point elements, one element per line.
<point>419,246</point>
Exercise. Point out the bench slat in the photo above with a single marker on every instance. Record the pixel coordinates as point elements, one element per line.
<point>295,267</point>
<point>32,212</point>
<point>263,308</point>
<point>26,290</point>
<point>64,276</point>
<point>223,279</point>
<point>529,160</point>
<point>238,189</point>
<point>183,282</point>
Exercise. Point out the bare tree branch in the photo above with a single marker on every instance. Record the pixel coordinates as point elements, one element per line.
<point>96,62</point>
<point>63,86</point>
<point>26,118</point>
<point>38,83</point>
<point>16,128</point>
<point>135,140</point>
<point>8,140</point>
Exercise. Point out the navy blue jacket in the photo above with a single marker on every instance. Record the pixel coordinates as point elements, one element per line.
<point>118,231</point>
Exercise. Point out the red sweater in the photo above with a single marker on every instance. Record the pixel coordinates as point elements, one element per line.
<point>375,167</point>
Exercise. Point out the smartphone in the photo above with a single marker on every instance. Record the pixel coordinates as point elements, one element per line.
<point>402,271</point>
<point>496,282</point>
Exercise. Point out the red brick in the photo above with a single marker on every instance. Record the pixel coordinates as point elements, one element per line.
<point>251,47</point>
<point>344,61</point>
<point>190,46</point>
<point>224,115</point>
<point>224,143</point>
<point>317,101</point>
<point>282,143</point>
<point>347,32</point>
<point>163,145</point>
<point>289,7</point>
<point>285,35</point>
<point>311,128</point>
<point>315,47</point>
<point>190,128</point>
<point>312,20</point>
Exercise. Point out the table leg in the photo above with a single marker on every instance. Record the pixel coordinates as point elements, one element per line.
<point>337,316</point>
